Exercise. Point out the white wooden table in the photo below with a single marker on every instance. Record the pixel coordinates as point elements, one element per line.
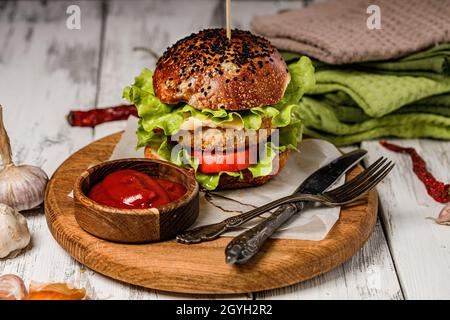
<point>47,70</point>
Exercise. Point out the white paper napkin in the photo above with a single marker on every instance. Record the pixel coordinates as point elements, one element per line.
<point>311,224</point>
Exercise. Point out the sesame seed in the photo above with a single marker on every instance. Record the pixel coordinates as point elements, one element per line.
<point>205,52</point>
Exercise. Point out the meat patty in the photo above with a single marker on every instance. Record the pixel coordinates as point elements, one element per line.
<point>205,138</point>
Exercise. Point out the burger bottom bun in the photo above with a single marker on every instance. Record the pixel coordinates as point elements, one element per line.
<point>227,182</point>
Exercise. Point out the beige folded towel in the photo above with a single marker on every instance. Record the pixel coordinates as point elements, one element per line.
<point>336,31</point>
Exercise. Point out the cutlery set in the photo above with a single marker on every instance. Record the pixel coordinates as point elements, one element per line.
<point>312,190</point>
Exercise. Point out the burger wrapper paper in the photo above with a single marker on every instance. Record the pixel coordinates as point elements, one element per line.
<point>313,223</point>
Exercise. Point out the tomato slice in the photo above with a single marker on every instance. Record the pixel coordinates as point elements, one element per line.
<point>227,161</point>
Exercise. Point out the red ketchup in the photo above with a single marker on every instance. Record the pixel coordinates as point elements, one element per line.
<point>131,189</point>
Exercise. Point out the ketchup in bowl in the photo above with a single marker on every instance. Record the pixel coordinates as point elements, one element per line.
<point>131,189</point>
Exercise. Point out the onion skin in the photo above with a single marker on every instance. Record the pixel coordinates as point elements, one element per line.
<point>54,291</point>
<point>12,287</point>
<point>52,295</point>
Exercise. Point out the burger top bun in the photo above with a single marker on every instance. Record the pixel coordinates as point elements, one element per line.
<point>206,70</point>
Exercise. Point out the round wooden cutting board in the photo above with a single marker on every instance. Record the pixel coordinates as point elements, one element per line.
<point>199,268</point>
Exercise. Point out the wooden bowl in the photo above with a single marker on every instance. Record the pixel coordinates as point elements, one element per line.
<point>136,225</point>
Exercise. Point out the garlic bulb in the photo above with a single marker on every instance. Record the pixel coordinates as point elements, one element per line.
<point>12,287</point>
<point>14,234</point>
<point>21,187</point>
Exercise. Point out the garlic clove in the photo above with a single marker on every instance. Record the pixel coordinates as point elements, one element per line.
<point>55,291</point>
<point>444,216</point>
<point>12,287</point>
<point>14,233</point>
<point>22,187</point>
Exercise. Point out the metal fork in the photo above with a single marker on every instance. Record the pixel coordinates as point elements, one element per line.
<point>348,192</point>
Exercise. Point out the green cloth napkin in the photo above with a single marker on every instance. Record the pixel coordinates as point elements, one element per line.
<point>348,111</point>
<point>378,94</point>
<point>321,120</point>
<point>433,60</point>
<point>436,59</point>
<point>405,98</point>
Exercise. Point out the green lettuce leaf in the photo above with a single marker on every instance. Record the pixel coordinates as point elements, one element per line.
<point>289,137</point>
<point>211,181</point>
<point>264,165</point>
<point>155,114</point>
<point>302,80</point>
<point>182,158</point>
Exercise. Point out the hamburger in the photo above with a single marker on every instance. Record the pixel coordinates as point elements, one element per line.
<point>227,108</point>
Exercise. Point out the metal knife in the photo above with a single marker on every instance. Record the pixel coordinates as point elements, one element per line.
<point>243,247</point>
<point>213,231</point>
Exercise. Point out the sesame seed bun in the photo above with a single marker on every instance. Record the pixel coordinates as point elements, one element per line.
<point>206,70</point>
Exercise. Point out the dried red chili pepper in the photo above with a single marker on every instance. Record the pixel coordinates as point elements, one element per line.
<point>439,191</point>
<point>94,117</point>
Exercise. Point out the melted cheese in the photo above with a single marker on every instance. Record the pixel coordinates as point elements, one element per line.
<point>192,123</point>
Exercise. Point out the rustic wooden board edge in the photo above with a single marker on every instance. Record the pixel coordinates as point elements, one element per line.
<point>314,266</point>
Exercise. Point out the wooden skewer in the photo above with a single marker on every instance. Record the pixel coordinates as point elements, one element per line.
<point>228,19</point>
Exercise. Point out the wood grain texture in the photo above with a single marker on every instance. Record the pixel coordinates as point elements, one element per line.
<point>200,268</point>
<point>136,225</point>
<point>46,69</point>
<point>27,31</point>
<point>369,275</point>
<point>155,25</point>
<point>420,248</point>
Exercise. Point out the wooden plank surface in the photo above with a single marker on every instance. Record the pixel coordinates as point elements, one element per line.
<point>370,274</point>
<point>61,68</point>
<point>45,70</point>
<point>151,25</point>
<point>199,269</point>
<point>420,248</point>
<point>157,30</point>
